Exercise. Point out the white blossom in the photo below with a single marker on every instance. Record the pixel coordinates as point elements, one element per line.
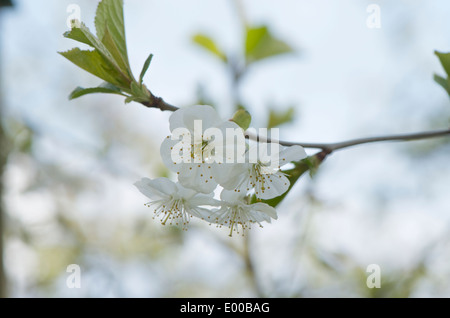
<point>200,153</point>
<point>174,203</point>
<point>262,173</point>
<point>235,212</point>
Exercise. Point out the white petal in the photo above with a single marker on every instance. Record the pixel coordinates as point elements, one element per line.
<point>271,186</point>
<point>293,153</point>
<point>207,114</point>
<point>234,143</point>
<point>184,192</point>
<point>166,154</point>
<point>156,189</point>
<point>197,177</point>
<point>252,153</point>
<point>231,176</point>
<point>232,197</point>
<point>176,119</point>
<point>187,175</point>
<point>265,211</point>
<point>201,213</point>
<point>203,200</point>
<point>269,153</point>
<point>218,215</point>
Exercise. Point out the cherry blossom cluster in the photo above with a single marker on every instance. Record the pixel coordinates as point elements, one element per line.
<point>208,155</point>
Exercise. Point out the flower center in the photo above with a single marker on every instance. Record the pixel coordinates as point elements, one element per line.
<point>172,211</point>
<point>236,217</point>
<point>202,151</point>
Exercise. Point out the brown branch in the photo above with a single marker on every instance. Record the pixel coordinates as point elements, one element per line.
<point>159,103</point>
<point>330,147</point>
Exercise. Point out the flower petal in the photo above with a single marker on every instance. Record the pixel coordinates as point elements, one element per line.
<point>232,197</point>
<point>166,154</point>
<point>203,200</point>
<point>197,177</point>
<point>264,211</point>
<point>205,113</point>
<point>231,176</point>
<point>271,185</point>
<point>156,189</point>
<point>293,153</point>
<point>199,212</point>
<point>176,120</point>
<point>252,153</point>
<point>184,192</point>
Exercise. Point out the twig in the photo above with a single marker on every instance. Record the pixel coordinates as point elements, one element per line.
<point>159,103</point>
<point>330,147</point>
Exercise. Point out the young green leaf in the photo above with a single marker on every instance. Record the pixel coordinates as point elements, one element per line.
<point>444,82</point>
<point>278,118</point>
<point>208,44</point>
<point>78,34</point>
<point>94,63</point>
<point>82,34</point>
<point>261,44</point>
<point>129,99</point>
<point>109,16</point>
<point>111,46</point>
<point>445,61</point>
<point>139,93</point>
<point>109,59</point>
<point>242,118</point>
<point>145,68</point>
<point>105,88</point>
<point>254,38</point>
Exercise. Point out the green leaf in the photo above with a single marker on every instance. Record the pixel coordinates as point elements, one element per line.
<point>111,46</point>
<point>109,16</point>
<point>79,34</point>
<point>242,118</point>
<point>145,68</point>
<point>83,34</point>
<point>255,36</point>
<point>94,63</point>
<point>136,89</point>
<point>445,61</point>
<point>116,69</point>
<point>444,82</point>
<point>208,44</point>
<point>278,118</point>
<point>261,44</point>
<point>105,88</point>
<point>130,99</point>
<point>444,58</point>
<point>139,93</point>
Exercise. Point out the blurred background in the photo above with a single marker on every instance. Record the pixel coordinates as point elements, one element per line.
<point>69,166</point>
